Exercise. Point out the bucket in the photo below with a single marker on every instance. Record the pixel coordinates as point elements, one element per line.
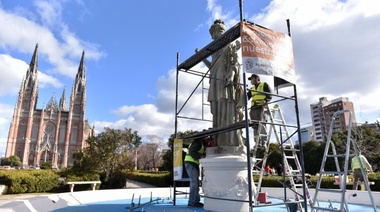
<point>263,197</point>
<point>337,179</point>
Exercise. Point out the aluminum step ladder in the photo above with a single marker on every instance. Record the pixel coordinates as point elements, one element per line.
<point>274,121</point>
<point>341,174</point>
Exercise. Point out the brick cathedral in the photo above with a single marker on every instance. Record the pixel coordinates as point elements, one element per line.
<point>53,133</point>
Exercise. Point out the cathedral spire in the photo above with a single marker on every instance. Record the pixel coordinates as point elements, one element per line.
<point>80,79</point>
<point>78,93</point>
<point>52,105</point>
<point>62,101</point>
<point>33,66</point>
<point>29,85</point>
<point>31,74</point>
<point>81,75</point>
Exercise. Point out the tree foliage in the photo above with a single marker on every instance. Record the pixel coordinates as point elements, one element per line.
<point>367,142</point>
<point>108,152</point>
<point>13,160</point>
<point>313,152</point>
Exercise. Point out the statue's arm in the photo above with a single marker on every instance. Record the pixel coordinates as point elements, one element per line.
<point>205,61</point>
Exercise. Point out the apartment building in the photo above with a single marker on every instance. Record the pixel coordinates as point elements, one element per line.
<point>322,112</point>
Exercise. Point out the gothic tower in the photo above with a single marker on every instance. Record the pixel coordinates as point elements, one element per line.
<point>53,133</point>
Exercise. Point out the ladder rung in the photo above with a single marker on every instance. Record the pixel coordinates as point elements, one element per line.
<point>332,172</point>
<point>282,133</point>
<point>292,150</point>
<point>329,190</point>
<point>297,175</point>
<point>290,157</point>
<point>338,156</point>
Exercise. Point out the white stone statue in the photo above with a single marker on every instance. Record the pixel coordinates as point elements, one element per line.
<point>225,92</point>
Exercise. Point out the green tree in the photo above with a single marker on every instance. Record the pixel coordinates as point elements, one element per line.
<point>108,152</point>
<point>367,141</point>
<point>313,152</point>
<point>14,160</point>
<point>274,156</point>
<point>167,157</point>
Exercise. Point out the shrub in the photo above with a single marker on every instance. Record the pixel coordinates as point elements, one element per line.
<point>159,179</point>
<point>29,181</point>
<point>45,165</point>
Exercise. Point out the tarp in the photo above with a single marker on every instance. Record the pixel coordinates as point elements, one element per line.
<point>177,159</point>
<point>266,52</point>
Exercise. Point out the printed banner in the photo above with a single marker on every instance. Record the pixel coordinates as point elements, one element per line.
<point>266,52</point>
<point>177,159</point>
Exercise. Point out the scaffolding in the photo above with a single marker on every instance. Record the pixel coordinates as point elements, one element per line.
<point>230,35</point>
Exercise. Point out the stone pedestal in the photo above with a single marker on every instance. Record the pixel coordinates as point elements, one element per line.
<point>225,176</point>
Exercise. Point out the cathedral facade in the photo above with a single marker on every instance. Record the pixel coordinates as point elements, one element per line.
<point>53,133</point>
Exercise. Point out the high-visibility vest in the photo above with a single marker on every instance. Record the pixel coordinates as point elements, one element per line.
<point>355,162</point>
<point>256,96</point>
<point>188,157</point>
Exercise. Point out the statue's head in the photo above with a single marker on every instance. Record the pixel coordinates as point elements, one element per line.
<point>217,29</point>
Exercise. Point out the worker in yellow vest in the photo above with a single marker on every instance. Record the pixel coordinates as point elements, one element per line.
<point>196,151</point>
<point>257,103</point>
<point>355,167</point>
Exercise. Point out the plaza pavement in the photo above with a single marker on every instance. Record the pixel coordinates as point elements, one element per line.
<point>14,202</point>
<point>120,200</point>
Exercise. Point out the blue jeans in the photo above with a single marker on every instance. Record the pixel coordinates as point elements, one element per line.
<point>193,173</point>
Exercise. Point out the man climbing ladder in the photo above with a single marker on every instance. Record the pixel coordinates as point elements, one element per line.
<point>259,100</point>
<point>292,167</point>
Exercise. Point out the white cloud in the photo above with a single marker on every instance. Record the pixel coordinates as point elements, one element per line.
<point>158,119</point>
<point>13,70</point>
<point>60,49</point>
<point>335,47</point>
<point>218,12</point>
<point>50,12</point>
<point>330,56</point>
<point>11,74</point>
<point>6,112</point>
<point>143,118</point>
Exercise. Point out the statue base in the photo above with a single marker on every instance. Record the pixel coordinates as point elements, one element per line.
<point>225,178</point>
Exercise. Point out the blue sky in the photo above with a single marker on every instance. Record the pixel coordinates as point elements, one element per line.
<point>131,49</point>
